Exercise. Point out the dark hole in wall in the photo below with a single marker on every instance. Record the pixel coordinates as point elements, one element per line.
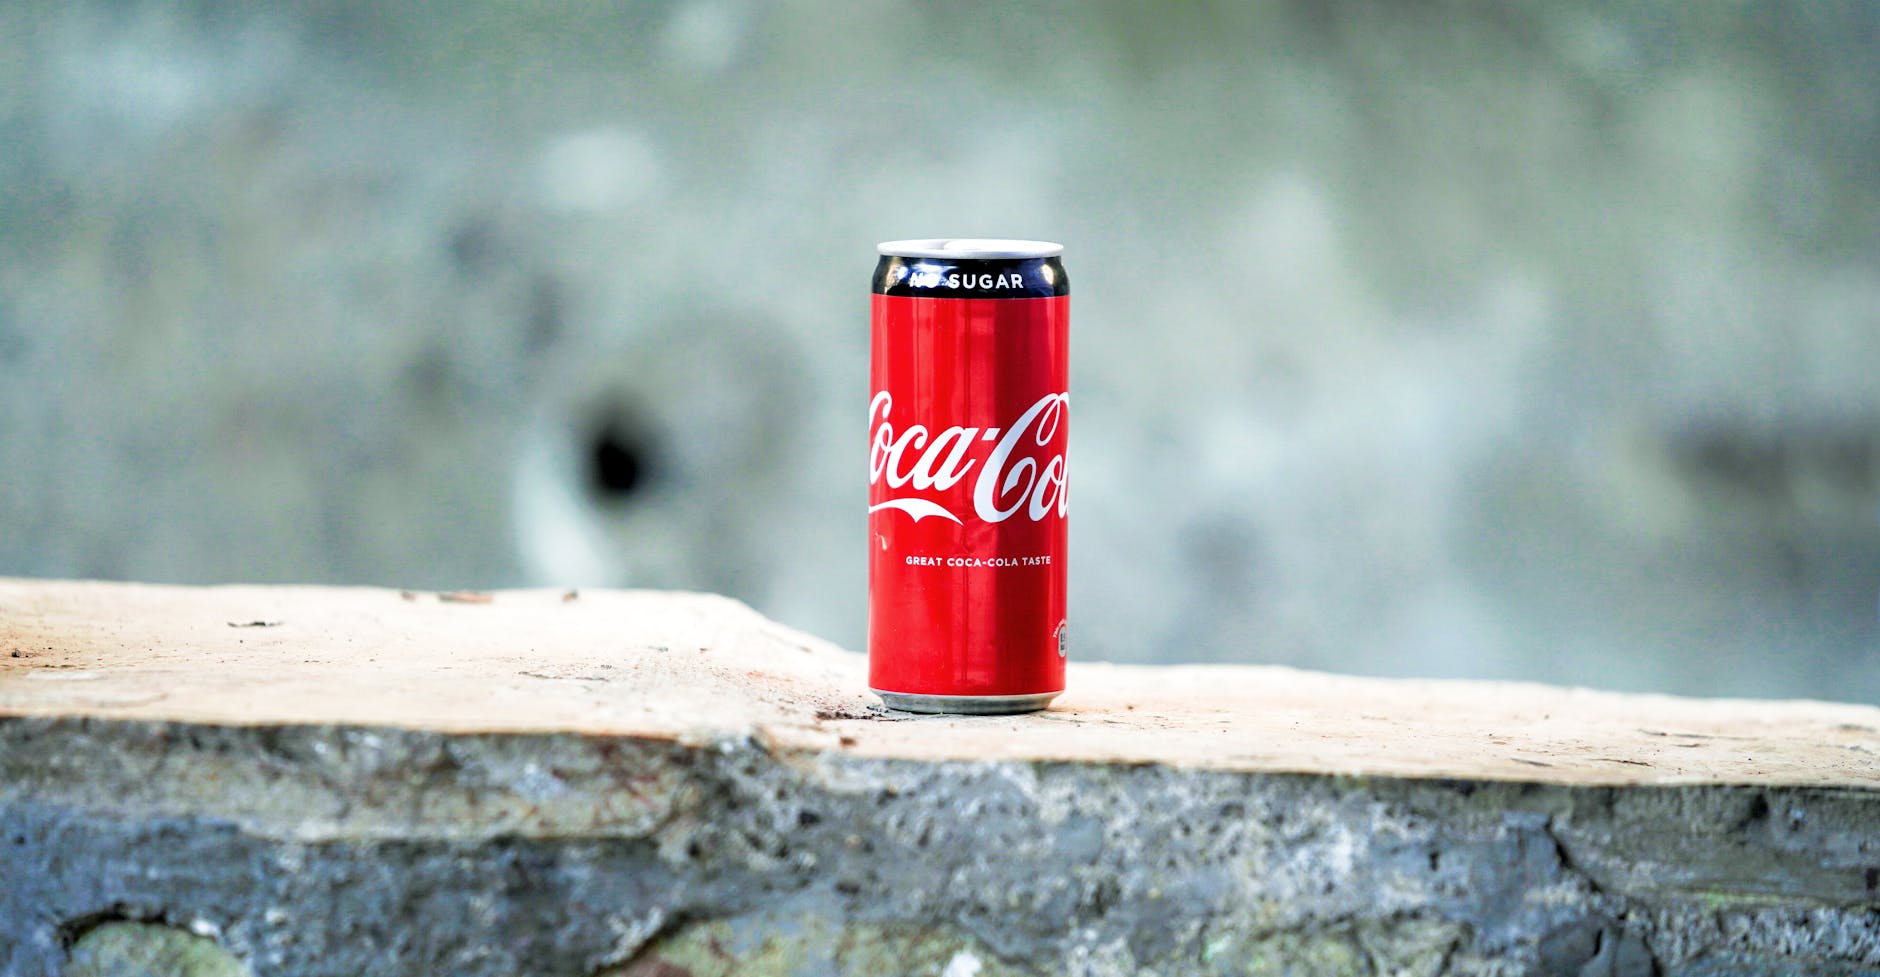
<point>74,929</point>
<point>620,456</point>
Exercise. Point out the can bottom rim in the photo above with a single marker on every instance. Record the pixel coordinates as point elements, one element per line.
<point>967,705</point>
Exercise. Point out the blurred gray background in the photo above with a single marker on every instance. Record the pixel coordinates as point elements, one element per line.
<point>1501,340</point>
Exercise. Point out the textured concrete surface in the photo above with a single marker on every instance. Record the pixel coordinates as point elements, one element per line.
<point>307,781</point>
<point>1494,340</point>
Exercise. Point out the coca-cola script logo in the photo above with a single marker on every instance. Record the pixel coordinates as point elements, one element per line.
<point>1009,482</point>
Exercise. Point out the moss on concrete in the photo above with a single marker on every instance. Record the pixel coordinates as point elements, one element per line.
<point>815,946</point>
<point>125,949</point>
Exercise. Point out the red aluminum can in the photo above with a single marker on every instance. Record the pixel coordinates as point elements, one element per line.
<point>968,428</point>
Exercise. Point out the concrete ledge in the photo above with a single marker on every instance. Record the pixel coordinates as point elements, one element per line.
<point>312,781</point>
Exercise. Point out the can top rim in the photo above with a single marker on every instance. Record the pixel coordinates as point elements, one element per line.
<point>970,247</point>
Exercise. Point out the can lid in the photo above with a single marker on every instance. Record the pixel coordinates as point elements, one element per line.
<point>970,247</point>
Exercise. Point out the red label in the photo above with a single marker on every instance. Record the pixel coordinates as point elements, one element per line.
<point>968,427</point>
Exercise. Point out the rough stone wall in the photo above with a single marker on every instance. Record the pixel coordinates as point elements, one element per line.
<point>286,782</point>
<point>800,863</point>
<point>1517,340</point>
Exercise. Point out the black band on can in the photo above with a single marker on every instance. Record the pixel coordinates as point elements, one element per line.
<point>971,278</point>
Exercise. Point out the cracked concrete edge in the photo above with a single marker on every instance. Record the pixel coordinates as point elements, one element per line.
<point>327,783</point>
<point>309,784</point>
<point>1036,861</point>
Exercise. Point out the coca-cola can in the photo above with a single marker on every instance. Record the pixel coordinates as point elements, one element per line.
<point>968,428</point>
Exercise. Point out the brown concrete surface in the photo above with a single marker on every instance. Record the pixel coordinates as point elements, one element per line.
<point>697,668</point>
